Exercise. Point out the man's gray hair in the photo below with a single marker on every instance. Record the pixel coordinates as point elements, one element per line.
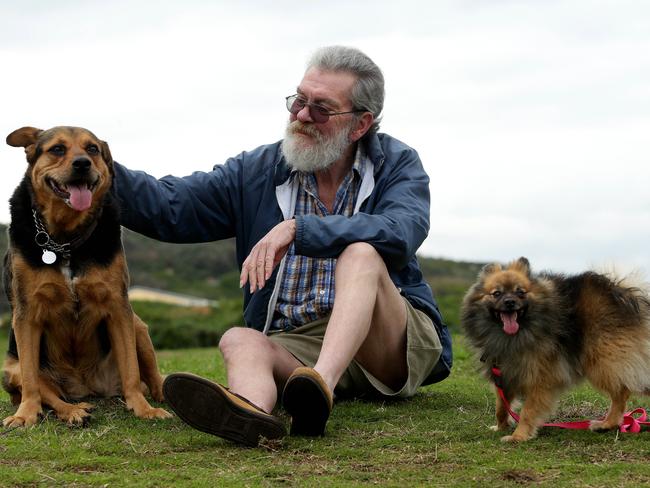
<point>368,92</point>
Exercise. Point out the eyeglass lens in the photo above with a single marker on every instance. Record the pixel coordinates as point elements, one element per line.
<point>317,114</point>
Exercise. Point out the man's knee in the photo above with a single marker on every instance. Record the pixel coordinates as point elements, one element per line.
<point>361,254</point>
<point>240,339</point>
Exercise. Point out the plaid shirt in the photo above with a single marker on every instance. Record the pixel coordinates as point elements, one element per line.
<point>307,288</point>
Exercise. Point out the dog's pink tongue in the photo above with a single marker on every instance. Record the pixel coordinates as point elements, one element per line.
<point>80,197</point>
<point>510,325</point>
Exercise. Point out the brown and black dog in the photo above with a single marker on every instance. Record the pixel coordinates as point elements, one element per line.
<point>546,332</point>
<point>74,334</point>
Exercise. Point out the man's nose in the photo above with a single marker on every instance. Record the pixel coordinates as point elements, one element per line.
<point>304,115</point>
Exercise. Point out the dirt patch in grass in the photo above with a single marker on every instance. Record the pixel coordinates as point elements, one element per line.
<point>520,476</point>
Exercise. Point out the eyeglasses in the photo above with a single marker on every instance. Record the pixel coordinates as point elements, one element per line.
<point>318,113</point>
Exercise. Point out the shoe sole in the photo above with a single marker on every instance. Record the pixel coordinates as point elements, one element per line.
<point>307,404</point>
<point>208,407</point>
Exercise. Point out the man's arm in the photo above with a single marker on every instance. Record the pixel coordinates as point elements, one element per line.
<point>195,208</point>
<point>394,219</point>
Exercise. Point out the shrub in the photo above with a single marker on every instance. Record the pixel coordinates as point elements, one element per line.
<point>176,327</point>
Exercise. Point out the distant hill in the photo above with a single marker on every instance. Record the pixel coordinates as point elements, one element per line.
<point>206,270</point>
<point>210,270</point>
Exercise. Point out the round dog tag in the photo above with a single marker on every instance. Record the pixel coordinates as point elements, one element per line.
<point>48,257</point>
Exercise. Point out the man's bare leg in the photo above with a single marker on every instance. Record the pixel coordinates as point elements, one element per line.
<point>368,322</point>
<point>256,366</point>
<point>242,412</point>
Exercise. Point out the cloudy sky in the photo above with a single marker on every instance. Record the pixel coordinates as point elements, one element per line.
<point>531,117</point>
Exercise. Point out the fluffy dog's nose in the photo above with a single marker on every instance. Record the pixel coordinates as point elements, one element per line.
<point>510,303</point>
<point>81,165</point>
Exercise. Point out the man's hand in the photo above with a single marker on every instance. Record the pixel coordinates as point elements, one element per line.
<point>266,255</point>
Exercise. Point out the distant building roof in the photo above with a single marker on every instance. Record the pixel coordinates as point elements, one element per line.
<point>142,293</point>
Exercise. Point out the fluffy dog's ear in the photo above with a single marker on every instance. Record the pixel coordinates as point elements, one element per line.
<point>489,269</point>
<point>106,155</point>
<point>522,265</point>
<point>25,137</point>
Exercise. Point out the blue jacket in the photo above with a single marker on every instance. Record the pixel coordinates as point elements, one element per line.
<point>251,193</point>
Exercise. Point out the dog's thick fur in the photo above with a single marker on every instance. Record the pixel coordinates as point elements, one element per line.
<point>74,334</point>
<point>547,332</point>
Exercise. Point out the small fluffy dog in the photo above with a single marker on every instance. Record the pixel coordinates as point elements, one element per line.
<point>546,332</point>
<point>73,332</point>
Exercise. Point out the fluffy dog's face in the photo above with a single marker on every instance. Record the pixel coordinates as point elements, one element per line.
<point>69,167</point>
<point>505,293</point>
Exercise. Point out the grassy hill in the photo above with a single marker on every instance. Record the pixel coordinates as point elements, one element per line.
<point>440,438</point>
<point>210,271</point>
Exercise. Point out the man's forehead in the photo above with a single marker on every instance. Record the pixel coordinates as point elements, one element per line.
<point>327,85</point>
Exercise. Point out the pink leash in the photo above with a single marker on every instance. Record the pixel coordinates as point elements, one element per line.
<point>632,421</point>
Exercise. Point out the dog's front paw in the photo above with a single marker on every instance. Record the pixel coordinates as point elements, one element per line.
<point>75,414</point>
<point>143,410</point>
<point>521,434</point>
<point>155,413</point>
<point>514,438</point>
<point>20,421</point>
<point>524,431</point>
<point>26,415</point>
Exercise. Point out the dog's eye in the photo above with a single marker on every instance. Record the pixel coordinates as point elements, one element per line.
<point>58,150</point>
<point>521,294</point>
<point>496,293</point>
<point>92,149</point>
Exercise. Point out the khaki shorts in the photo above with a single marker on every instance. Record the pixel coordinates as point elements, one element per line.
<point>422,353</point>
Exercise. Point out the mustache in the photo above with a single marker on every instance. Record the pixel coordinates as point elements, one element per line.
<point>297,127</point>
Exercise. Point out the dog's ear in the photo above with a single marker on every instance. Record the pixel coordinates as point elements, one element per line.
<point>522,265</point>
<point>25,137</point>
<point>106,155</point>
<point>489,269</point>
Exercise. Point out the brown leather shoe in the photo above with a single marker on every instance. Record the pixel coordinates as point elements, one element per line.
<point>308,400</point>
<point>212,408</point>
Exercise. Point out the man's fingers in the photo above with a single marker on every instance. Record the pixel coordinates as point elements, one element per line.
<point>260,263</point>
<point>243,276</point>
<point>248,270</point>
<point>268,265</point>
<point>261,267</point>
<point>245,270</point>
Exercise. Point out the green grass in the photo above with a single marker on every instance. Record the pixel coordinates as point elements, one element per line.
<point>439,438</point>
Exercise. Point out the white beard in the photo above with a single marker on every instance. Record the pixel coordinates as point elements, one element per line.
<point>316,156</point>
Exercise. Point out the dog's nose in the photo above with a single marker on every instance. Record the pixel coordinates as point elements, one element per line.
<point>510,303</point>
<point>81,165</point>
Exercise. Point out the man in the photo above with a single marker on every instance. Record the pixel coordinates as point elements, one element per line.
<point>327,223</point>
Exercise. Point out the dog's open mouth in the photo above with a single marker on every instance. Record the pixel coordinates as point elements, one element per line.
<point>510,324</point>
<point>78,194</point>
<point>510,320</point>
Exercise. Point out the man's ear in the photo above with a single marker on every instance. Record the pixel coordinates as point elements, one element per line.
<point>363,125</point>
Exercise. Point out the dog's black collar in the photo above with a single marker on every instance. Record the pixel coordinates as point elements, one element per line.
<point>45,241</point>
